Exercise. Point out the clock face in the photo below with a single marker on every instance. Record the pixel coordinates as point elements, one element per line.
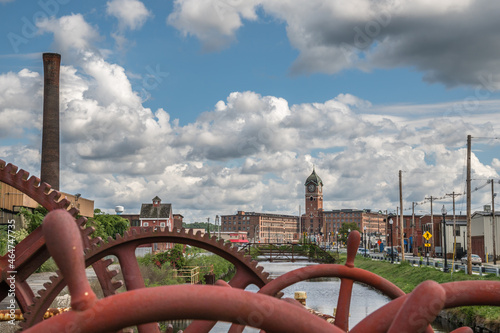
<point>311,187</point>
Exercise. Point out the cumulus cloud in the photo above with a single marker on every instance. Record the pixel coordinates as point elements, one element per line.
<point>213,22</point>
<point>332,36</point>
<point>18,103</point>
<point>131,14</point>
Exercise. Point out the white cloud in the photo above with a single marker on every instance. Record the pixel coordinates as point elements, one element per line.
<point>131,14</point>
<point>332,36</point>
<point>71,33</point>
<point>18,103</point>
<point>213,22</point>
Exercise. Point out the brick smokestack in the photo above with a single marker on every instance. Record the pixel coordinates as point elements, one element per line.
<point>50,133</point>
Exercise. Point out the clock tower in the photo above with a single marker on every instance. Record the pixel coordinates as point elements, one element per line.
<point>312,221</point>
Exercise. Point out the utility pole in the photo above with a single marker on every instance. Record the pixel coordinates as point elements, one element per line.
<point>413,238</point>
<point>401,214</point>
<point>453,195</point>
<point>432,227</point>
<point>494,222</point>
<point>469,239</point>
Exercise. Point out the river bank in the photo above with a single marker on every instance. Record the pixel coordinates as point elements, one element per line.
<point>407,277</point>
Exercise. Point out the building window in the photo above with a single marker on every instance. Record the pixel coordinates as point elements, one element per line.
<point>162,224</point>
<point>145,224</point>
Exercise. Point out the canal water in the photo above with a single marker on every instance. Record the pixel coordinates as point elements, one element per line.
<point>322,295</point>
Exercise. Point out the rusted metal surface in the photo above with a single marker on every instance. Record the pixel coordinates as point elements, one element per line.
<point>31,252</point>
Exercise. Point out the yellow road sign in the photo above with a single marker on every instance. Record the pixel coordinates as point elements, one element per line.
<point>427,235</point>
<point>427,244</point>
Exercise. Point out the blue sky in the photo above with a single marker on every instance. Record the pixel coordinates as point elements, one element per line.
<point>225,105</point>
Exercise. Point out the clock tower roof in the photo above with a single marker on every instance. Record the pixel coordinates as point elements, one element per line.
<point>314,178</point>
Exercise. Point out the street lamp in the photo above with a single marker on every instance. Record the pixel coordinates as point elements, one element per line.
<point>392,244</point>
<point>364,234</point>
<point>443,211</point>
<point>337,239</point>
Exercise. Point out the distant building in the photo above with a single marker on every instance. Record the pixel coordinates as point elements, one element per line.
<point>12,200</point>
<point>323,225</point>
<point>482,232</point>
<point>178,218</point>
<point>262,227</point>
<point>158,216</point>
<point>236,238</point>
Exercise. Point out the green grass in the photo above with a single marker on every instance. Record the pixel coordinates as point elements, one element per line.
<point>407,277</point>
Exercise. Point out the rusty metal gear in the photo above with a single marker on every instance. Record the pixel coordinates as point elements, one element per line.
<point>247,271</point>
<point>31,252</point>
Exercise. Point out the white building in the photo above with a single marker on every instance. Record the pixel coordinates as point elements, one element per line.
<point>482,233</point>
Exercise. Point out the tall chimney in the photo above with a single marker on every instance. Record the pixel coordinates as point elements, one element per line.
<point>50,133</point>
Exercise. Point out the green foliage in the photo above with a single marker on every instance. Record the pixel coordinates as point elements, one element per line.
<point>344,231</point>
<point>199,225</point>
<point>221,267</point>
<point>173,257</point>
<point>3,240</point>
<point>407,277</point>
<point>155,276</point>
<point>48,266</point>
<point>33,219</point>
<point>107,225</point>
<point>193,257</point>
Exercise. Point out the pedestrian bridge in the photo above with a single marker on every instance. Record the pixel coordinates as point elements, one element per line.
<point>289,252</point>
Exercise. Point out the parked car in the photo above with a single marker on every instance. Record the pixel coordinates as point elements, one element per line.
<point>474,258</point>
<point>388,252</point>
<point>363,251</point>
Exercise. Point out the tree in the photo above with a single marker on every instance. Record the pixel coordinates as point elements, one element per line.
<point>199,225</point>
<point>107,225</point>
<point>344,231</point>
<point>33,219</point>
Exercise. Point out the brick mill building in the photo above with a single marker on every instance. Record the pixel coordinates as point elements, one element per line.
<point>323,225</point>
<point>262,227</point>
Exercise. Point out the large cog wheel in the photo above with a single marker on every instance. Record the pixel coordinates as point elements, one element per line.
<point>31,252</point>
<point>247,271</point>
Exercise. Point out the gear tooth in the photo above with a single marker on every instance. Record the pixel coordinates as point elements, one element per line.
<point>96,241</point>
<point>33,181</point>
<point>2,164</point>
<point>54,277</point>
<point>107,262</point>
<point>54,195</point>
<point>88,231</point>
<point>134,232</point>
<point>46,285</point>
<point>44,187</point>
<point>259,268</point>
<point>113,273</point>
<point>73,211</point>
<point>118,236</point>
<point>23,174</point>
<point>11,168</point>
<point>190,232</point>
<point>117,284</point>
<point>81,221</point>
<point>110,239</point>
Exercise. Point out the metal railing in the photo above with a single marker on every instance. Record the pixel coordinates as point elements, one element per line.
<point>439,265</point>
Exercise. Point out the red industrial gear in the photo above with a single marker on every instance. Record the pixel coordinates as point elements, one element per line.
<point>31,252</point>
<point>411,313</point>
